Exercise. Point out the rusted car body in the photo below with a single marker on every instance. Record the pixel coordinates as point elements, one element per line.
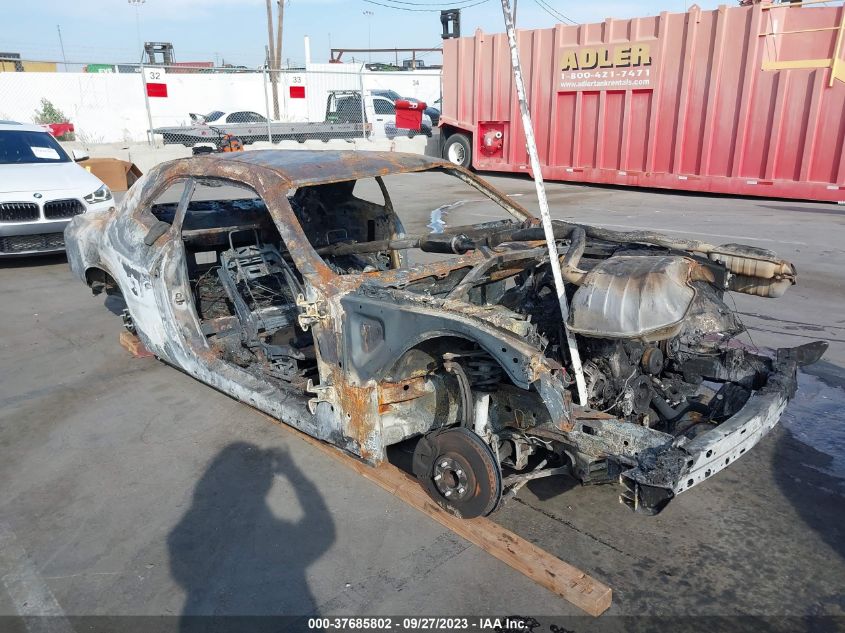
<point>309,312</point>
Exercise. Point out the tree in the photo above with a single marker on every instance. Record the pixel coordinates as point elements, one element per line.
<point>48,113</point>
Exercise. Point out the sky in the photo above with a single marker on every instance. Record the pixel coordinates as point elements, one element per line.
<point>235,31</point>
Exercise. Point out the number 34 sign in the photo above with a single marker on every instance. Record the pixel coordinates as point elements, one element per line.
<point>156,82</point>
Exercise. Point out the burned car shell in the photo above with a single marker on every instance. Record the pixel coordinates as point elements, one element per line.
<point>366,325</point>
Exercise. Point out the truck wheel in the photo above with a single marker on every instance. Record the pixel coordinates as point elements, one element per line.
<point>459,472</point>
<point>458,150</point>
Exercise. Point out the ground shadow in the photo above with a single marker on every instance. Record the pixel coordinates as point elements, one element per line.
<point>809,457</point>
<point>547,488</point>
<point>115,304</point>
<point>433,145</point>
<point>32,261</point>
<point>233,555</point>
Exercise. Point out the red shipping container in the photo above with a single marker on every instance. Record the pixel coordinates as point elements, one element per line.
<point>409,114</point>
<point>741,100</point>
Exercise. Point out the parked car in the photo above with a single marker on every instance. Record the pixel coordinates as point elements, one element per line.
<point>247,125</point>
<point>292,295</point>
<point>430,111</point>
<point>41,189</point>
<point>219,116</point>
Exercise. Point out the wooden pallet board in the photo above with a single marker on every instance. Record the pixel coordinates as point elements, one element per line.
<point>133,345</point>
<point>547,570</point>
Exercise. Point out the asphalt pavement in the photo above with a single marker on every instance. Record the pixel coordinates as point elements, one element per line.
<point>131,489</point>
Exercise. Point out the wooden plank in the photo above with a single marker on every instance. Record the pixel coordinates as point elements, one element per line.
<point>557,576</point>
<point>133,345</point>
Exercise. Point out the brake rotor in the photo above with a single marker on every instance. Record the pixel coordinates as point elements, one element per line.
<point>459,472</point>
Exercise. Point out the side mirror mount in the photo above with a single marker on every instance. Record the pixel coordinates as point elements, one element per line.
<point>79,155</point>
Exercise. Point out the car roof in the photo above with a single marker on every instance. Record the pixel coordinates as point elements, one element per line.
<point>20,127</point>
<point>315,167</point>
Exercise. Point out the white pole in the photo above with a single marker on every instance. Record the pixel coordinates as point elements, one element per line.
<point>546,218</point>
<point>307,52</point>
<point>266,104</point>
<point>150,135</point>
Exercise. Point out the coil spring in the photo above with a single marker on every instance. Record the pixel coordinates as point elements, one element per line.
<point>483,372</point>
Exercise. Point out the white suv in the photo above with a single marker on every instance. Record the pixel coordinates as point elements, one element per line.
<point>41,189</point>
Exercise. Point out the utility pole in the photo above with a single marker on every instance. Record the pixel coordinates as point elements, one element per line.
<point>271,60</point>
<point>62,45</point>
<point>281,18</point>
<point>369,15</point>
<point>137,4</point>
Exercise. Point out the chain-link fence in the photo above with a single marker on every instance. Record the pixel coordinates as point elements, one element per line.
<point>195,109</point>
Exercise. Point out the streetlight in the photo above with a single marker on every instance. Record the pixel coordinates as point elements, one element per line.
<point>137,4</point>
<point>369,15</point>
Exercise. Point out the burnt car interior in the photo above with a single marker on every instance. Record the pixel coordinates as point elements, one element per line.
<point>243,282</point>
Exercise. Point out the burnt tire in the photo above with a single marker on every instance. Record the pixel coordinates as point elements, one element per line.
<point>458,150</point>
<point>459,472</point>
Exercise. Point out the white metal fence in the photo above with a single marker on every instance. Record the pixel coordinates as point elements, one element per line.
<point>196,108</point>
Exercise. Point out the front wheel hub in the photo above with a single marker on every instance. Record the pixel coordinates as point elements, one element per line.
<point>450,477</point>
<point>459,472</point>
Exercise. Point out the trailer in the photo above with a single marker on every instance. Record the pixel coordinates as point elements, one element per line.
<point>340,122</point>
<point>745,100</point>
<point>346,118</point>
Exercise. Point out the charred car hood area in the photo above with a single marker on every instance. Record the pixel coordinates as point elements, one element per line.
<point>298,298</point>
<point>674,394</point>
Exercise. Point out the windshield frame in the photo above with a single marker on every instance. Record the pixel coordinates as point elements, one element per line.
<point>32,139</point>
<point>213,116</point>
<point>519,215</point>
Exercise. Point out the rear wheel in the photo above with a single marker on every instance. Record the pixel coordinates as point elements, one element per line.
<point>458,150</point>
<point>459,472</point>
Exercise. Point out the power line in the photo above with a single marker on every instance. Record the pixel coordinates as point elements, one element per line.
<point>553,12</point>
<point>557,15</point>
<point>390,6</point>
<point>429,52</point>
<point>430,4</point>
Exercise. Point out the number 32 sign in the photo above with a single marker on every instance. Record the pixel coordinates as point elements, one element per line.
<point>155,80</point>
